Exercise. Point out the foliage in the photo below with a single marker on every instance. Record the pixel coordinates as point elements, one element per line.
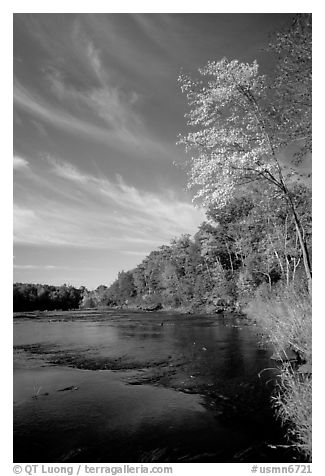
<point>292,87</point>
<point>229,142</point>
<point>30,297</point>
<point>183,274</point>
<point>248,242</point>
<point>238,125</point>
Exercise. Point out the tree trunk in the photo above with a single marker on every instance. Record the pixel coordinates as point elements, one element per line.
<point>305,256</point>
<point>230,259</point>
<point>302,242</point>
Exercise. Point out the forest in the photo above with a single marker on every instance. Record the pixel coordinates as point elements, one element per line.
<point>249,246</point>
<point>43,297</point>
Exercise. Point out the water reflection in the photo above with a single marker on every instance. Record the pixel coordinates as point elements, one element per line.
<point>102,414</point>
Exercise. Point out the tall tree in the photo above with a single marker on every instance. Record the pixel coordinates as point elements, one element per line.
<point>234,139</point>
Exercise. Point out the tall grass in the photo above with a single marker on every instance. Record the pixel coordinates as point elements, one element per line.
<point>293,405</point>
<point>285,315</point>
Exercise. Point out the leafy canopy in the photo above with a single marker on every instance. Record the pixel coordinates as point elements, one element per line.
<point>234,137</point>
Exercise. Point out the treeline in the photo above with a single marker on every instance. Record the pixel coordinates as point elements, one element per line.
<point>31,297</point>
<point>249,245</point>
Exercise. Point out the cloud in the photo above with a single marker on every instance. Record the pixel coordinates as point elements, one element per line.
<point>142,207</point>
<point>131,57</point>
<point>106,103</point>
<point>90,97</point>
<point>135,253</point>
<point>20,163</point>
<point>97,212</point>
<point>83,91</point>
<point>120,130</point>
<point>94,84</point>
<point>67,170</point>
<point>41,108</point>
<point>93,55</point>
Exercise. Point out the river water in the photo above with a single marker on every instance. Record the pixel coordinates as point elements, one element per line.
<point>120,386</point>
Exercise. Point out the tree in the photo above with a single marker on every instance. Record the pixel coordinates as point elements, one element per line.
<point>292,85</point>
<point>29,297</point>
<point>235,140</point>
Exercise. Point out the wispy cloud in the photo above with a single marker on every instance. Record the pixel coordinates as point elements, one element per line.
<point>134,253</point>
<point>138,59</point>
<point>106,214</point>
<point>82,91</point>
<point>19,163</point>
<point>107,103</point>
<point>83,99</point>
<point>37,106</point>
<point>128,139</point>
<point>137,207</point>
<point>67,170</point>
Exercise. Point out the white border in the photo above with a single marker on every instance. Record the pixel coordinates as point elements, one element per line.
<point>6,193</point>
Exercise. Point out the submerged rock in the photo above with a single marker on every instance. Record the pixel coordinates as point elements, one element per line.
<point>67,389</point>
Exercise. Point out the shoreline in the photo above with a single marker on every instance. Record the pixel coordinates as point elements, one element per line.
<point>39,314</point>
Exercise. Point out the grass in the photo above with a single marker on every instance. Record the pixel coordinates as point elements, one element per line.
<point>293,405</point>
<point>285,315</point>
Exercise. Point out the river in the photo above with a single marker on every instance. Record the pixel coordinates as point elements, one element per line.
<point>119,386</point>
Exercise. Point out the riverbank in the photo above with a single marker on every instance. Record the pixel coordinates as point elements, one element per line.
<point>93,311</point>
<point>285,315</point>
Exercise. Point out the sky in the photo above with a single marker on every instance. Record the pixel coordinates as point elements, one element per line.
<point>97,113</point>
